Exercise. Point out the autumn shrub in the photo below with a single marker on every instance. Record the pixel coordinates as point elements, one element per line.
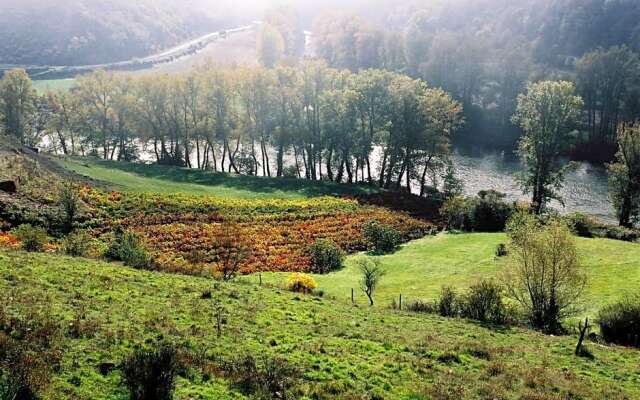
<point>77,244</point>
<point>31,238</point>
<point>326,256</point>
<point>620,322</point>
<point>381,238</point>
<point>150,374</point>
<point>303,283</point>
<point>8,241</point>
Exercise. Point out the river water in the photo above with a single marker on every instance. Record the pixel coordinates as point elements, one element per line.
<point>585,189</point>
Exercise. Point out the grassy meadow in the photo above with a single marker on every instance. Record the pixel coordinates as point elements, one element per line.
<point>337,350</point>
<point>53,85</point>
<point>162,179</point>
<point>419,269</point>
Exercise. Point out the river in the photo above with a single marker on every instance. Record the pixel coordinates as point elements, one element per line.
<point>585,188</point>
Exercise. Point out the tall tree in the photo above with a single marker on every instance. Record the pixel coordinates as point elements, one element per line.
<point>624,175</point>
<point>604,80</point>
<point>17,102</point>
<point>547,114</point>
<point>271,45</point>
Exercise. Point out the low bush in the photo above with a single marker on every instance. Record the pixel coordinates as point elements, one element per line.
<point>265,378</point>
<point>27,354</point>
<point>586,226</point>
<point>501,250</point>
<point>620,233</point>
<point>448,302</point>
<point>457,212</point>
<point>490,212</point>
<point>326,256</point>
<point>483,302</point>
<point>487,212</point>
<point>77,244</point>
<point>381,238</point>
<point>620,322</point>
<point>302,283</point>
<point>422,306</point>
<point>70,201</point>
<point>31,238</point>
<point>130,249</point>
<point>582,224</point>
<point>150,374</point>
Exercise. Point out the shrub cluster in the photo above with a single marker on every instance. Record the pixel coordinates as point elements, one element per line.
<point>27,354</point>
<point>130,249</point>
<point>326,256</point>
<point>586,226</point>
<point>150,374</point>
<point>302,283</point>
<point>265,378</point>
<point>481,302</point>
<point>381,238</point>
<point>31,238</point>
<point>77,244</point>
<point>488,212</point>
<point>620,322</point>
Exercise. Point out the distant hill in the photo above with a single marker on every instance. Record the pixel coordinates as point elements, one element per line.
<point>74,32</point>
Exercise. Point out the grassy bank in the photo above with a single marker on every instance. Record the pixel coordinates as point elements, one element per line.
<point>340,351</point>
<point>162,179</point>
<point>419,269</point>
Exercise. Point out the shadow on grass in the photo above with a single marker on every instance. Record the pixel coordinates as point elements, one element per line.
<point>253,184</point>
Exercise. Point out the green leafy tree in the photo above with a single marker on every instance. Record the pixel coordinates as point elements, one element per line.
<point>271,45</point>
<point>624,176</point>
<point>17,104</point>
<point>546,277</point>
<point>547,113</point>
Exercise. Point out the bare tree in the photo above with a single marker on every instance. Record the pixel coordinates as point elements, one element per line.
<point>371,274</point>
<point>231,251</point>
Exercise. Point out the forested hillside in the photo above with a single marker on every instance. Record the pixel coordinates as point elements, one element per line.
<point>73,32</point>
<point>485,51</point>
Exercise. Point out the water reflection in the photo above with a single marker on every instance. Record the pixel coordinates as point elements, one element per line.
<point>585,189</point>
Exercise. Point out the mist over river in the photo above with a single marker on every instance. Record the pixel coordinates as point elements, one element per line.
<point>585,189</point>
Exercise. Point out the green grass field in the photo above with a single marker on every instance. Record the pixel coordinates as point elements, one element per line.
<point>419,269</point>
<point>161,179</point>
<point>340,351</point>
<point>54,85</point>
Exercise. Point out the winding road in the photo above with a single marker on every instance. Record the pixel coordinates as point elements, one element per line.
<point>188,48</point>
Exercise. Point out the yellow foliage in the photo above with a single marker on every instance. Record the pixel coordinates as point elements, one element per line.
<point>301,283</point>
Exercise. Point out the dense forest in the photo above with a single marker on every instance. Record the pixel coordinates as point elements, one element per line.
<point>77,32</point>
<point>484,52</point>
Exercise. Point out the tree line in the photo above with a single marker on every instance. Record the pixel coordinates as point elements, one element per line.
<point>312,121</point>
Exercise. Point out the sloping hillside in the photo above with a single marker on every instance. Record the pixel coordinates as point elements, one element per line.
<point>74,32</point>
<point>329,350</point>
